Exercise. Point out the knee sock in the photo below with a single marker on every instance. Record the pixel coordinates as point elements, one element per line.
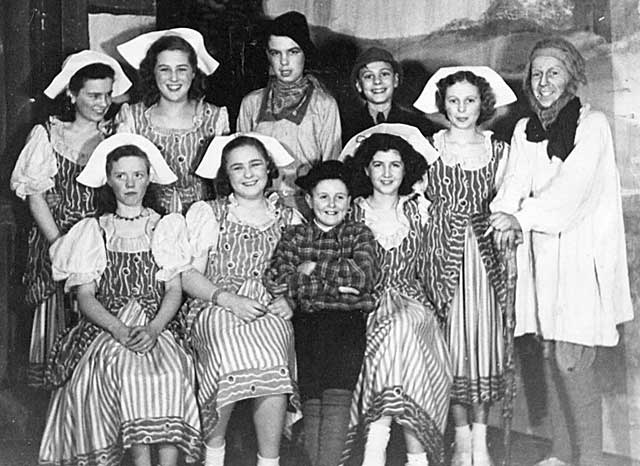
<point>463,438</point>
<point>417,459</point>
<point>479,436</point>
<point>268,461</point>
<point>479,448</point>
<point>336,404</point>
<point>375,449</point>
<point>214,456</point>
<point>311,410</point>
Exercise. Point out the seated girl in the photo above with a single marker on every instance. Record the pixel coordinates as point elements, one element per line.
<point>124,383</point>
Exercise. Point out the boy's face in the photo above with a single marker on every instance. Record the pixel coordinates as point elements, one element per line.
<point>329,201</point>
<point>377,81</point>
<point>286,59</point>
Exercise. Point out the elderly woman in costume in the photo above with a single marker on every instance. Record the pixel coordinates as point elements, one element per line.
<point>562,186</point>
<point>375,76</point>
<point>47,167</point>
<point>295,108</point>
<point>241,335</point>
<point>124,383</point>
<point>173,114</point>
<point>464,278</point>
<point>406,374</point>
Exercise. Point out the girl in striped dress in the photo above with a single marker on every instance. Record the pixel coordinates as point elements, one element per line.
<point>405,376</point>
<point>464,278</point>
<point>242,336</point>
<point>173,114</point>
<point>45,175</point>
<point>124,381</point>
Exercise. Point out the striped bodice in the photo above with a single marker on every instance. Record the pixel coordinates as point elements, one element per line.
<point>76,200</point>
<point>75,203</point>
<point>399,268</point>
<point>459,198</point>
<point>183,149</point>
<point>130,276</point>
<point>243,251</point>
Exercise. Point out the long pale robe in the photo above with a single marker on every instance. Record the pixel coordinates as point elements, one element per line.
<point>573,212</point>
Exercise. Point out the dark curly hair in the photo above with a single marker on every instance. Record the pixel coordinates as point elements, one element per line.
<point>222,185</point>
<point>487,97</point>
<point>77,82</point>
<point>105,200</point>
<point>414,164</point>
<point>149,88</point>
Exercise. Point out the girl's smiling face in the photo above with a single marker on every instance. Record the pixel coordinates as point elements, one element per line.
<point>386,171</point>
<point>247,171</point>
<point>174,75</point>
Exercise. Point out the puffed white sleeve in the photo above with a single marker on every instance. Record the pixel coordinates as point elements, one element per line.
<point>123,120</point>
<point>170,247</point>
<point>36,165</point>
<point>79,257</point>
<point>203,229</point>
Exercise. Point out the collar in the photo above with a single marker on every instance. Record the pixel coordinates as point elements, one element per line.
<point>334,232</point>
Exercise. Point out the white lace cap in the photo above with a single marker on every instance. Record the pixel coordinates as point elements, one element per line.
<point>409,133</point>
<point>94,174</point>
<point>73,63</point>
<point>426,102</point>
<point>135,50</point>
<point>210,163</point>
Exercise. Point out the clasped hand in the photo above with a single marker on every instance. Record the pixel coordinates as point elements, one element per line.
<point>248,309</point>
<point>140,339</point>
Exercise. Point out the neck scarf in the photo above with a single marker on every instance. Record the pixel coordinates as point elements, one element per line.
<point>556,123</point>
<point>286,101</point>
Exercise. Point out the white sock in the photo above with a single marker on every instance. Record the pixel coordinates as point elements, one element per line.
<point>268,461</point>
<point>375,449</point>
<point>417,459</point>
<point>214,456</point>
<point>463,438</point>
<point>479,435</point>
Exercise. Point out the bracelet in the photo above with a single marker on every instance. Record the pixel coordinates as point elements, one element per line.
<point>216,293</point>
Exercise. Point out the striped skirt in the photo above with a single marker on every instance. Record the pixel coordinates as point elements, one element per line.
<point>50,320</point>
<point>117,398</point>
<point>475,333</point>
<point>236,360</point>
<point>406,374</point>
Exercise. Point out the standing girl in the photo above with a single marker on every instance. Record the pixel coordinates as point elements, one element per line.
<point>173,114</point>
<point>47,167</point>
<point>464,278</point>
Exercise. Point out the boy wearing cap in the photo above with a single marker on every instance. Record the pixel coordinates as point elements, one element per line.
<point>294,107</point>
<point>326,269</point>
<point>375,77</point>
